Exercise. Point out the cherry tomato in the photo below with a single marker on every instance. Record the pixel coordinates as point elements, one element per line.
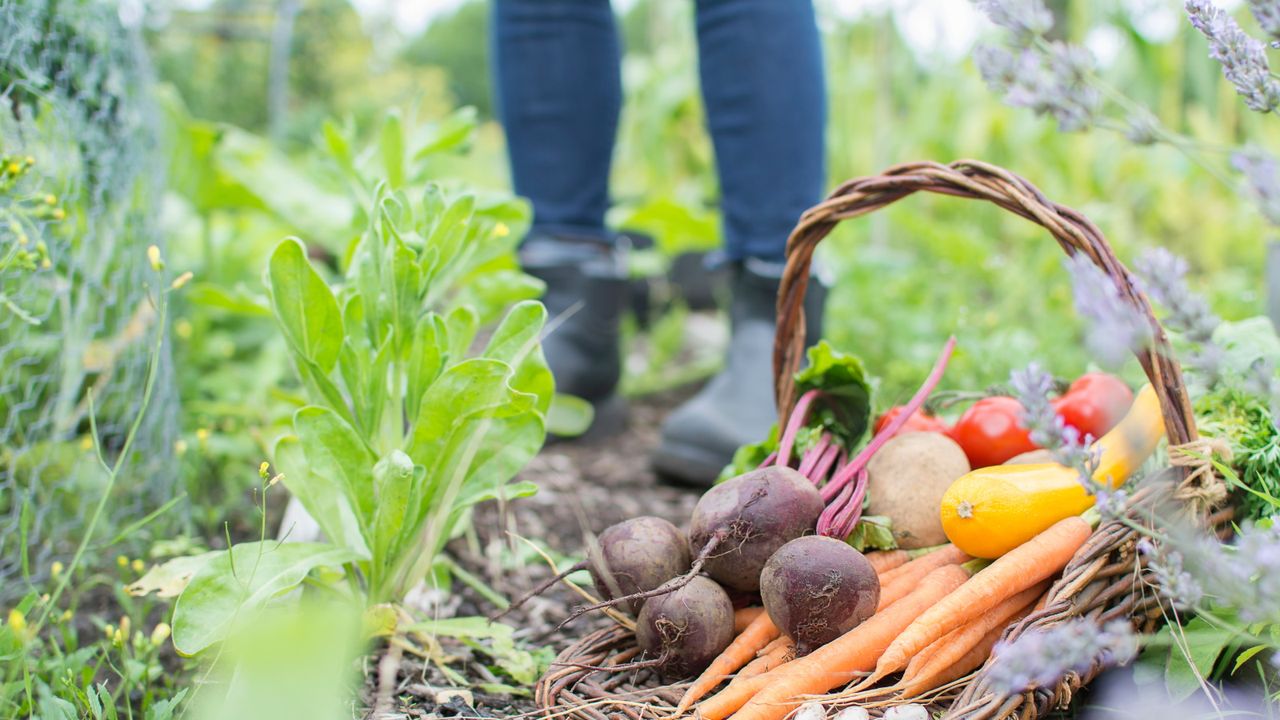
<point>1094,403</point>
<point>991,431</point>
<point>918,422</point>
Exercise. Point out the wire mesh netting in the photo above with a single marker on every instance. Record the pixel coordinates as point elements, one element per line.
<point>80,188</point>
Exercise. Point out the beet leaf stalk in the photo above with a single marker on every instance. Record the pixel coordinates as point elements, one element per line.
<point>848,486</point>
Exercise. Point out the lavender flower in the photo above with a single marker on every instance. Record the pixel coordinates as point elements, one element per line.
<point>1267,13</point>
<point>1025,19</point>
<point>1252,574</point>
<point>1262,172</point>
<point>1032,386</point>
<point>1163,278</point>
<point>1171,577</point>
<point>1041,658</point>
<point>1142,129</point>
<point>1116,328</point>
<point>1243,58</point>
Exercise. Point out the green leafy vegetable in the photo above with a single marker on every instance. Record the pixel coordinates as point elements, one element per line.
<point>846,410</point>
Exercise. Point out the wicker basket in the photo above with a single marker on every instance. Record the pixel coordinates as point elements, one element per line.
<point>1103,582</point>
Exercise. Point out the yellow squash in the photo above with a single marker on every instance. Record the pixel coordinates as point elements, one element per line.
<point>992,510</point>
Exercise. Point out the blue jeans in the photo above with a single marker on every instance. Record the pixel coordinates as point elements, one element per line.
<point>760,64</point>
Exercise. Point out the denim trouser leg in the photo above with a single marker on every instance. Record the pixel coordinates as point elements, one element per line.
<point>762,81</point>
<point>559,92</point>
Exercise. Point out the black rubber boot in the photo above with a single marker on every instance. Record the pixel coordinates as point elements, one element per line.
<point>587,290</point>
<point>736,407</point>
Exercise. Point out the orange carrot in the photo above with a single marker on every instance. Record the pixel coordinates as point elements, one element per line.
<point>772,695</point>
<point>949,648</point>
<point>779,651</point>
<point>1037,559</point>
<point>923,565</point>
<point>742,617</point>
<point>741,651</point>
<point>897,584</point>
<point>882,561</point>
<point>932,676</point>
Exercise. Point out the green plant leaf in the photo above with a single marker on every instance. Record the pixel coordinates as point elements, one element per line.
<point>304,306</point>
<point>321,494</point>
<point>842,378</point>
<point>207,609</point>
<point>569,416</point>
<point>333,448</point>
<point>393,479</point>
<point>1204,644</point>
<point>515,342</point>
<point>426,359</point>
<point>448,134</point>
<point>391,145</point>
<point>462,627</point>
<point>1246,656</point>
<point>873,532</point>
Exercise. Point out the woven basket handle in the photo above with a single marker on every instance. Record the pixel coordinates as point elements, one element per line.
<point>980,181</point>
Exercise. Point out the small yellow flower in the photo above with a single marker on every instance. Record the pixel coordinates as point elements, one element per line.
<point>179,447</point>
<point>14,168</point>
<point>66,615</point>
<point>50,199</point>
<point>109,631</point>
<point>30,161</point>
<point>278,477</point>
<point>181,280</point>
<point>501,230</point>
<point>122,561</point>
<point>124,626</point>
<point>202,435</point>
<point>46,263</point>
<point>117,639</point>
<point>56,568</point>
<point>182,328</point>
<point>137,565</point>
<point>45,597</point>
<point>86,443</point>
<point>59,214</point>
<point>17,621</point>
<point>160,634</point>
<point>153,255</point>
<point>263,468</point>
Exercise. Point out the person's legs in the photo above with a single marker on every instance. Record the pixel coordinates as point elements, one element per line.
<point>763,86</point>
<point>760,63</point>
<point>559,92</point>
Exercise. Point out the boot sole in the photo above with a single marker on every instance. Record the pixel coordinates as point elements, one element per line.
<point>686,465</point>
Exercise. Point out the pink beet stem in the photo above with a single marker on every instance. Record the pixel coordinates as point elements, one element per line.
<point>825,520</point>
<point>769,460</point>
<point>822,468</point>
<point>812,456</point>
<point>842,517</point>
<point>845,474</point>
<point>798,417</point>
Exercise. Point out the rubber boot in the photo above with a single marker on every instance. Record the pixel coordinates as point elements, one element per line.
<point>737,406</point>
<point>587,290</point>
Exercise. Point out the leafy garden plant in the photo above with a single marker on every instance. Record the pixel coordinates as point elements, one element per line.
<point>410,418</point>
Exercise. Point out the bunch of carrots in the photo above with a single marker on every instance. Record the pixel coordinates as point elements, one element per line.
<point>940,614</point>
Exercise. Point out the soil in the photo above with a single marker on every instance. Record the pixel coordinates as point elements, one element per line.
<point>584,486</point>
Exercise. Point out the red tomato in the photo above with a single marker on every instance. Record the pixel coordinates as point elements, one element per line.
<point>918,422</point>
<point>1094,403</point>
<point>991,431</point>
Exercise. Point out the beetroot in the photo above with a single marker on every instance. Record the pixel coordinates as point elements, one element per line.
<point>816,589</point>
<point>628,560</point>
<point>740,523</point>
<point>635,556</point>
<point>684,630</point>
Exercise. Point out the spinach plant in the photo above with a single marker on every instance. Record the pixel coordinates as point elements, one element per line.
<point>409,419</point>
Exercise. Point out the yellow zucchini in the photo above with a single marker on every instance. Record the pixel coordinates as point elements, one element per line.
<point>992,510</point>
